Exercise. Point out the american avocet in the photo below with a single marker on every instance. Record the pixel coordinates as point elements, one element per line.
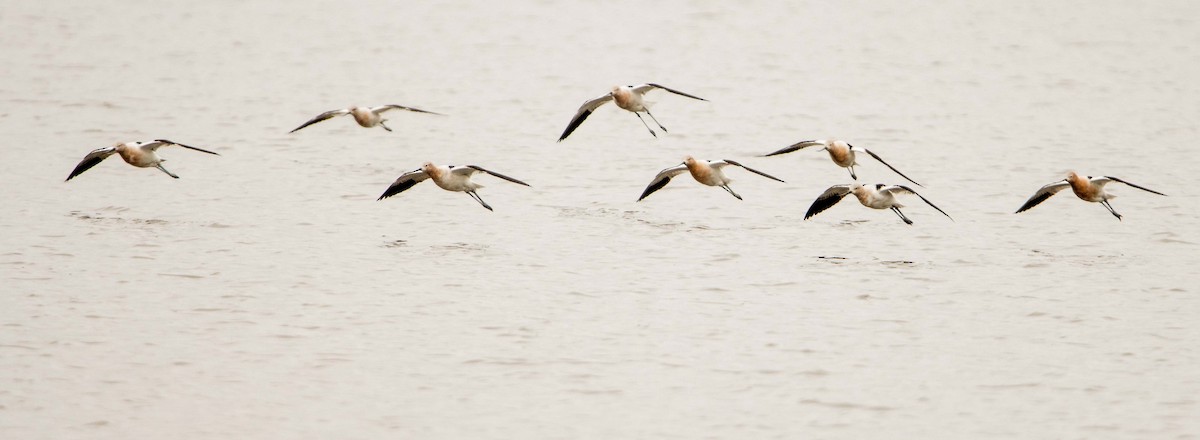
<point>842,154</point>
<point>365,116</point>
<point>138,154</point>
<point>1090,189</point>
<point>626,97</point>
<point>878,196</point>
<point>449,178</point>
<point>704,171</point>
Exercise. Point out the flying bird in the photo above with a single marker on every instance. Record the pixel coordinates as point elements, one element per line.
<point>142,154</point>
<point>626,97</point>
<point>704,171</point>
<point>842,153</point>
<point>878,196</point>
<point>449,178</point>
<point>1090,189</point>
<point>365,116</point>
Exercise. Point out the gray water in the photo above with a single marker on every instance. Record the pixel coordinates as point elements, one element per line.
<point>266,294</point>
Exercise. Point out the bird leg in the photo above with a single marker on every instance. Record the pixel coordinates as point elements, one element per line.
<point>1110,208</point>
<point>664,129</point>
<point>731,191</point>
<point>160,168</point>
<point>639,115</point>
<point>480,200</point>
<point>852,176</point>
<point>384,126</point>
<point>901,214</point>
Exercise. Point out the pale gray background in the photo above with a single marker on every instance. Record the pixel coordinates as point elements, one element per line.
<point>266,294</point>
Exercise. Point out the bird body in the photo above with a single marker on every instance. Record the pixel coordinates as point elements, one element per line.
<point>842,154</point>
<point>1090,189</point>
<point>708,172</point>
<point>626,97</point>
<point>878,196</point>
<point>366,117</point>
<point>141,154</point>
<point>449,178</point>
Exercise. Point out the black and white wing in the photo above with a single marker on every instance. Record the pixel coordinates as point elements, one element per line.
<point>472,169</point>
<point>643,88</point>
<point>404,182</point>
<point>384,108</point>
<point>724,162</point>
<point>798,146</point>
<point>1042,194</point>
<point>96,156</point>
<point>880,159</point>
<point>827,199</point>
<point>322,117</point>
<point>906,190</point>
<point>584,111</point>
<point>1102,180</point>
<point>151,146</point>
<point>661,179</point>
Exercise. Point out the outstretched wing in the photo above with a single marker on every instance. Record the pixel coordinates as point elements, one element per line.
<point>643,88</point>
<point>827,199</point>
<point>720,163</point>
<point>880,159</point>
<point>1042,194</point>
<point>906,190</point>
<point>661,179</point>
<point>384,108</point>
<point>404,182</point>
<point>322,117</point>
<point>798,146</point>
<point>584,111</point>
<point>1114,179</point>
<point>160,142</point>
<point>96,156</point>
<point>471,169</point>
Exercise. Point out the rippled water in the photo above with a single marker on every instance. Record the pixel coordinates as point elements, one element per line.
<point>266,294</point>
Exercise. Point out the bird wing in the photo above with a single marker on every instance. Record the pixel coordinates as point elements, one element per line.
<point>797,146</point>
<point>471,169</point>
<point>643,88</point>
<point>151,146</point>
<point>827,199</point>
<point>880,159</point>
<point>584,111</point>
<point>1044,193</point>
<point>661,179</point>
<point>901,189</point>
<point>384,108</point>
<point>322,117</point>
<point>96,156</point>
<point>723,162</point>
<point>404,182</point>
<point>1102,180</point>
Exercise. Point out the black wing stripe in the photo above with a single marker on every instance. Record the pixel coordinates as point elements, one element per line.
<point>574,124</point>
<point>87,164</point>
<point>675,91</point>
<point>657,185</point>
<point>399,186</point>
<point>880,159</point>
<point>1135,186</point>
<point>1037,199</point>
<point>823,202</point>
<point>752,170</point>
<point>796,146</point>
<point>185,146</point>
<point>510,179</point>
<point>926,200</point>
<point>413,109</point>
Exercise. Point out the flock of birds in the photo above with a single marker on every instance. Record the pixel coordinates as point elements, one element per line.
<point>630,98</point>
